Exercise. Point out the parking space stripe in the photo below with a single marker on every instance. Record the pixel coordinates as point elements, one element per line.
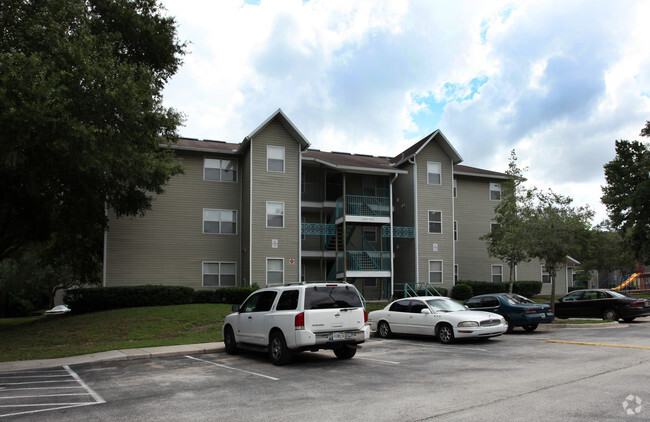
<point>378,360</point>
<point>585,343</point>
<point>48,401</point>
<point>232,368</point>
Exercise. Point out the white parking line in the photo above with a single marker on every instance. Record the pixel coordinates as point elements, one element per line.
<point>379,360</point>
<point>233,369</point>
<point>45,405</point>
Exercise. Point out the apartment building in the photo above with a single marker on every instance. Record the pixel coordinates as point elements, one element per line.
<point>270,210</point>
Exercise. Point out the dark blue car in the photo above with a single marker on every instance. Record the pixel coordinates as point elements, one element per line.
<point>517,310</point>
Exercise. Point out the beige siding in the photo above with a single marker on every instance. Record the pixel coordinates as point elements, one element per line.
<point>275,187</point>
<point>168,246</point>
<point>435,198</point>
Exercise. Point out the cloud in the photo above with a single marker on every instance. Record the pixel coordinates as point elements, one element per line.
<point>556,81</point>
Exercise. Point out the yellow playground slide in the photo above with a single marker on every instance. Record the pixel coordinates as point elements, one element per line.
<point>627,282</point>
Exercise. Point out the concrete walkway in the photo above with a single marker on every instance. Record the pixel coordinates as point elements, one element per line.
<point>145,352</point>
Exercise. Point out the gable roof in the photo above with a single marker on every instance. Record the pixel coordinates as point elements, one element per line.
<point>415,149</point>
<point>288,125</point>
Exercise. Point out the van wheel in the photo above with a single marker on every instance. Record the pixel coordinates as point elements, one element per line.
<point>229,341</point>
<point>383,329</point>
<point>278,350</point>
<point>345,352</point>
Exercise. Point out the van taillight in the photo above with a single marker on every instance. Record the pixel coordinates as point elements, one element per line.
<point>299,321</point>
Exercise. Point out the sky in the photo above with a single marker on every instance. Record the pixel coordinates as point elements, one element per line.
<point>558,82</point>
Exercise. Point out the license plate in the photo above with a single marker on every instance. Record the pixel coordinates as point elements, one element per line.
<point>542,315</point>
<point>338,336</point>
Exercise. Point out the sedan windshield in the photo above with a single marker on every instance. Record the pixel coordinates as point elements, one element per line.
<point>445,305</point>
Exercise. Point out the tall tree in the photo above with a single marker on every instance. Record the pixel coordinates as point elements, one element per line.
<point>627,194</point>
<point>556,230</point>
<point>507,239</point>
<point>82,117</point>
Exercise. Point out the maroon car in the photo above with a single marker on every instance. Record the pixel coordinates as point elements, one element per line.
<point>601,303</point>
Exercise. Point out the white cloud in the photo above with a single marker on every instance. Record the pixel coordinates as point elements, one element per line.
<point>557,81</point>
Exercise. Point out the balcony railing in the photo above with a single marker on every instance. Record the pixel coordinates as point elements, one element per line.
<point>366,206</point>
<point>363,261</point>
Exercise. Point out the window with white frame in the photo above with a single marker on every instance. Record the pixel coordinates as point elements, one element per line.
<point>219,274</point>
<point>274,271</point>
<point>495,191</point>
<point>546,277</point>
<point>434,173</point>
<point>435,222</point>
<point>455,230</point>
<point>219,221</point>
<point>497,273</point>
<point>275,214</point>
<point>494,226</point>
<point>435,272</point>
<point>275,159</point>
<point>455,273</point>
<point>219,170</point>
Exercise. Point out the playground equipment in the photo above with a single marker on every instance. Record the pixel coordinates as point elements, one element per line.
<point>636,281</point>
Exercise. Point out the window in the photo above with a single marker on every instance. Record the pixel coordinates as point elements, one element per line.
<point>369,282</point>
<point>400,306</point>
<point>546,277</point>
<point>219,170</point>
<point>435,272</point>
<point>275,214</point>
<point>494,226</point>
<point>274,271</point>
<point>434,173</point>
<point>455,188</point>
<point>219,274</point>
<point>455,230</point>
<point>275,159</point>
<point>417,306</point>
<point>495,191</point>
<point>219,221</point>
<point>259,302</point>
<point>288,300</point>
<point>435,222</point>
<point>455,273</point>
<point>497,273</point>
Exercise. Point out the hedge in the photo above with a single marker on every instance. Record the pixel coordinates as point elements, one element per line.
<point>524,288</point>
<point>83,300</point>
<point>461,292</point>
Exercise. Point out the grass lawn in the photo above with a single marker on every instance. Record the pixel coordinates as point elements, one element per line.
<point>70,335</point>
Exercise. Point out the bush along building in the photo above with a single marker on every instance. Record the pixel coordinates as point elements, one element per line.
<point>270,210</point>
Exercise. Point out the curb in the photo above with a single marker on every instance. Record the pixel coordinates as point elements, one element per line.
<point>114,355</point>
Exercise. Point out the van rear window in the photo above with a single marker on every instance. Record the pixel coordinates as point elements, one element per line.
<point>332,297</point>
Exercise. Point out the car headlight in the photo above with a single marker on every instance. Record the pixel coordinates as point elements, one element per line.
<point>468,324</point>
<point>503,321</point>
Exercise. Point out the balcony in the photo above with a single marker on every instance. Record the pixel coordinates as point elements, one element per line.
<point>363,263</point>
<point>363,209</point>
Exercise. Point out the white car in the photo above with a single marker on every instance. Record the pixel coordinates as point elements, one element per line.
<point>439,316</point>
<point>293,318</point>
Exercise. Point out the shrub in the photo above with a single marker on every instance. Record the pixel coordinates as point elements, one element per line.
<point>527,288</point>
<point>93,299</point>
<point>461,292</point>
<point>485,287</point>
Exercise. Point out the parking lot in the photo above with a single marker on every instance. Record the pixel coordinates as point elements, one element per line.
<point>551,374</point>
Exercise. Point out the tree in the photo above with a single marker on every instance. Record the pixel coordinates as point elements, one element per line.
<point>507,239</point>
<point>556,230</point>
<point>82,118</point>
<point>627,194</point>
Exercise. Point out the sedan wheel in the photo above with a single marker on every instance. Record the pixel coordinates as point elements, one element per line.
<point>530,327</point>
<point>610,314</point>
<point>383,329</point>
<point>446,334</point>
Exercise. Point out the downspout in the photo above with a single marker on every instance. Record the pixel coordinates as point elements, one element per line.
<point>415,206</point>
<point>453,225</point>
<point>392,255</point>
<point>299,215</point>
<point>250,217</point>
